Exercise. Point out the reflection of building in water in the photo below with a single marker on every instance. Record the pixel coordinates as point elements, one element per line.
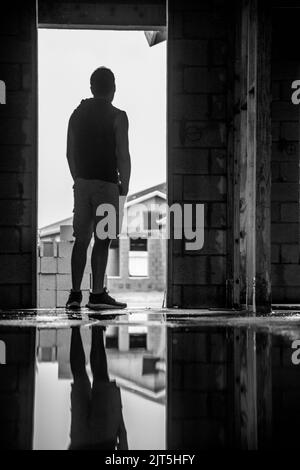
<point>17,388</point>
<point>136,262</point>
<point>135,356</point>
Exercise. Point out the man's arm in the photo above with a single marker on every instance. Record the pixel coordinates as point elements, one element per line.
<point>122,151</point>
<point>71,149</point>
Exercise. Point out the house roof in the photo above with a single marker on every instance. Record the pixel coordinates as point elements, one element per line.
<point>162,187</point>
<point>158,190</point>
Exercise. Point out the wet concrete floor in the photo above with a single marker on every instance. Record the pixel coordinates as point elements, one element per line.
<point>149,379</point>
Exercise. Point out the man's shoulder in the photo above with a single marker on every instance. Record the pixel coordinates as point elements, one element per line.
<point>118,111</point>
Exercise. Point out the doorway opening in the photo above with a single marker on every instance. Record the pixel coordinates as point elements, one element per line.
<point>136,271</point>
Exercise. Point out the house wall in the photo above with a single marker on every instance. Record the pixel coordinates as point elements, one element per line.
<point>18,155</point>
<point>285,160</point>
<point>17,382</point>
<point>198,42</point>
<point>200,389</point>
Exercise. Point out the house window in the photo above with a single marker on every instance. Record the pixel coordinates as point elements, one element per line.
<point>113,265</point>
<point>138,257</point>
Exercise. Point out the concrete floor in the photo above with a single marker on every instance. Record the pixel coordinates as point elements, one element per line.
<point>189,379</point>
<point>60,317</point>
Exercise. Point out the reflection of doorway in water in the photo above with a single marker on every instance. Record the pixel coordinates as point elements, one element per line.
<point>136,361</point>
<point>66,60</point>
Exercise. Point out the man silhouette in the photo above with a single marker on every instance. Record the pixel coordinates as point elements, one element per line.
<point>99,162</point>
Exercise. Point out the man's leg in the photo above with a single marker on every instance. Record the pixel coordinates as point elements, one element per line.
<point>99,263</point>
<point>78,260</point>
<point>98,357</point>
<point>83,229</point>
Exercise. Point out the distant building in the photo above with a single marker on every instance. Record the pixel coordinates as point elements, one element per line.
<point>137,259</point>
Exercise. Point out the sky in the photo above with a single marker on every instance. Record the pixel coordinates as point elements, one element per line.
<point>65,62</point>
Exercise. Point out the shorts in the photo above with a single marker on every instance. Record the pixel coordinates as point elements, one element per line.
<point>89,195</point>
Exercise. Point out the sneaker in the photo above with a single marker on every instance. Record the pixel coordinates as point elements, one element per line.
<point>104,301</point>
<point>74,300</point>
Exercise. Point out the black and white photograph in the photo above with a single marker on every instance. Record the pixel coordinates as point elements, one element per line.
<point>150,228</point>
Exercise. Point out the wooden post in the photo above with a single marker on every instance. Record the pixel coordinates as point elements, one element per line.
<point>254,147</point>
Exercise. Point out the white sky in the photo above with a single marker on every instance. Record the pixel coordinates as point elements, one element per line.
<point>66,60</point>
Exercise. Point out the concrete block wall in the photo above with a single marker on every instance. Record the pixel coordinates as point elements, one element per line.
<point>18,155</point>
<point>54,272</point>
<point>285,186</point>
<point>197,145</point>
<point>200,394</point>
<point>17,379</point>
<point>54,275</point>
<point>285,394</point>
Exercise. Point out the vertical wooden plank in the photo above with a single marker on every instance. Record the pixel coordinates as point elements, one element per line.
<point>263,165</point>
<point>248,390</point>
<point>264,390</point>
<point>236,166</point>
<point>169,170</point>
<point>243,201</point>
<point>255,153</point>
<point>251,155</point>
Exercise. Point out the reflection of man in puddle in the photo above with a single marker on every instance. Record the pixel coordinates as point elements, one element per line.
<point>97,420</point>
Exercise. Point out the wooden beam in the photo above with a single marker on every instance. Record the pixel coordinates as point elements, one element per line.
<point>98,15</point>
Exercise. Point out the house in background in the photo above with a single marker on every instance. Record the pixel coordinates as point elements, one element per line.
<point>137,259</point>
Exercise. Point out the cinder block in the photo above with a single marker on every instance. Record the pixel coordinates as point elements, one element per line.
<point>64,282</point>
<point>203,296</point>
<point>64,265</point>
<point>286,275</point>
<point>190,270</point>
<point>47,299</point>
<point>204,25</point>
<point>289,212</point>
<point>204,188</point>
<point>193,161</point>
<point>193,107</point>
<point>65,249</point>
<point>47,281</point>
<point>47,338</point>
<point>290,254</point>
<point>283,110</point>
<point>218,345</point>
<point>217,266</point>
<point>290,130</point>
<point>21,272</point>
<point>9,240</point>
<point>289,171</point>
<point>11,74</point>
<point>204,80</point>
<point>49,265</point>
<point>275,253</point>
<point>190,52</point>
<point>48,249</point>
<point>284,233</point>
<point>284,192</point>
<point>66,233</point>
<point>218,162</point>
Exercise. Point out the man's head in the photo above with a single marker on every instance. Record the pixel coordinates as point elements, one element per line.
<point>103,83</point>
